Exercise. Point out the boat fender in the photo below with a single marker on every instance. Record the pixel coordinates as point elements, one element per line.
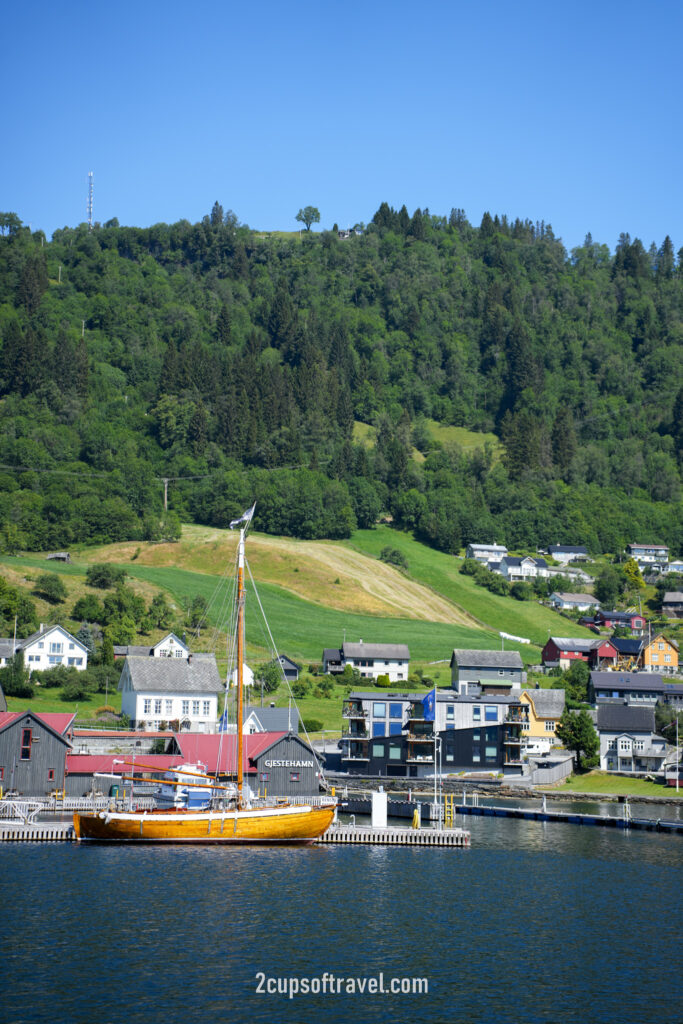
<point>101,815</point>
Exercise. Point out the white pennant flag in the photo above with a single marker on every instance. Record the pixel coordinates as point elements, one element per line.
<point>246,518</point>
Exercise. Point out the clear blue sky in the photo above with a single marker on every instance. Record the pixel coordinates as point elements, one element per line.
<point>563,112</point>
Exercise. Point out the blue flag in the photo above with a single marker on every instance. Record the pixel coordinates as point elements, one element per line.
<point>429,705</point>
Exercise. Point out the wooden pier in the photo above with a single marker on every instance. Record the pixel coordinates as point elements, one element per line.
<point>392,836</point>
<point>50,832</point>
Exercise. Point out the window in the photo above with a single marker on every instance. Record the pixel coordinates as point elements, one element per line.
<point>26,736</point>
<point>655,657</point>
<point>147,706</point>
<point>186,707</point>
<point>491,751</point>
<point>378,729</point>
<point>169,707</point>
<point>491,713</point>
<point>2,772</point>
<point>34,657</point>
<point>50,775</point>
<point>396,711</point>
<point>379,710</point>
<point>550,727</point>
<point>206,707</point>
<point>525,726</point>
<point>178,654</point>
<point>294,776</point>
<point>449,757</point>
<point>394,752</point>
<point>79,661</point>
<point>53,659</point>
<point>476,736</point>
<point>450,712</point>
<point>395,728</point>
<point>195,707</point>
<point>639,744</point>
<point>660,647</point>
<point>476,713</point>
<point>612,745</point>
<point>667,657</point>
<point>476,758</point>
<point>41,645</point>
<point>72,647</point>
<point>378,750</point>
<point>625,745</point>
<point>157,706</point>
<point>56,648</point>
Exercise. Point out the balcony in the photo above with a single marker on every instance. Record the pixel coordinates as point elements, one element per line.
<point>416,712</point>
<point>419,758</point>
<point>354,731</point>
<point>353,710</point>
<point>417,737</point>
<point>517,717</point>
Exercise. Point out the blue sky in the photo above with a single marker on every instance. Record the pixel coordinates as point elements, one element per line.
<point>568,113</point>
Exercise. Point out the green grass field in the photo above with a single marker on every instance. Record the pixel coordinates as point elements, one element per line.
<point>619,785</point>
<point>440,572</point>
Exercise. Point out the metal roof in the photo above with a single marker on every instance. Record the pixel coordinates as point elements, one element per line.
<point>57,721</point>
<point>383,651</point>
<point>547,703</point>
<point>625,718</point>
<point>629,681</point>
<point>207,748</point>
<point>569,643</point>
<point>465,658</point>
<point>569,548</point>
<point>173,675</point>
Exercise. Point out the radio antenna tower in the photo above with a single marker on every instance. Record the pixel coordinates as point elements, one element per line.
<point>90,200</point>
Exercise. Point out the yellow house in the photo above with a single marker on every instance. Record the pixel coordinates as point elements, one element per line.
<point>660,654</point>
<point>545,709</point>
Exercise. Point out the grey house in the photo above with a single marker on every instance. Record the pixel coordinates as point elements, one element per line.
<point>638,688</point>
<point>472,667</point>
<point>33,751</point>
<point>628,742</point>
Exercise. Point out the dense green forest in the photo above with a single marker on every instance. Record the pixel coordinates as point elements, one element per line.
<point>235,365</point>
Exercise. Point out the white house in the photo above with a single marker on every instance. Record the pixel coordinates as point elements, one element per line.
<point>647,554</point>
<point>628,742</point>
<point>168,647</point>
<point>247,676</point>
<point>573,602</point>
<point>515,569</point>
<point>49,647</point>
<point>486,552</point>
<point>155,690</point>
<point>564,553</point>
<point>371,660</point>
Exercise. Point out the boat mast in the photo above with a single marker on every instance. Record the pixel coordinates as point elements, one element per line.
<point>240,663</point>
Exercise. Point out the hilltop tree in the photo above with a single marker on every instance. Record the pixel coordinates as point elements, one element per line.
<point>308,215</point>
<point>51,587</point>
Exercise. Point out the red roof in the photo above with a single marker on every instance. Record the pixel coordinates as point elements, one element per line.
<point>126,733</point>
<point>88,764</point>
<point>58,720</point>
<point>204,747</point>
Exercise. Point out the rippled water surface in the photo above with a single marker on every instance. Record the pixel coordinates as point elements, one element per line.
<point>535,923</point>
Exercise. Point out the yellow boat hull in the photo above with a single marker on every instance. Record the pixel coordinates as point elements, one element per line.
<point>288,824</point>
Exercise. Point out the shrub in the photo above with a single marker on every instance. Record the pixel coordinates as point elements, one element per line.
<point>104,710</point>
<point>392,556</point>
<point>384,681</point>
<point>312,724</point>
<point>76,690</point>
<point>300,688</point>
<point>104,576</point>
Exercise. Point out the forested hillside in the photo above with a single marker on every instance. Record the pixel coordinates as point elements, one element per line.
<point>235,364</point>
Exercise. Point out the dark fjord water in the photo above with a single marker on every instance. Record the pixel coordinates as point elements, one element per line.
<point>535,923</point>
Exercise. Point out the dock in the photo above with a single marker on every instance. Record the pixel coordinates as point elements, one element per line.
<point>393,836</point>
<point>42,832</point>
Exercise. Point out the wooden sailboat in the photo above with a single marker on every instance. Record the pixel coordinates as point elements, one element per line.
<point>228,818</point>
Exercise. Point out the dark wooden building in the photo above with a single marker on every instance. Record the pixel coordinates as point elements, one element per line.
<point>33,750</point>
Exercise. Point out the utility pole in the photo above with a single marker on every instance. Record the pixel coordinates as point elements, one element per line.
<point>165,480</point>
<point>89,200</point>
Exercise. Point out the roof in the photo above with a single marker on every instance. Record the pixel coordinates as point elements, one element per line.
<point>629,681</point>
<point>466,658</point>
<point>88,764</point>
<point>487,547</point>
<point>625,718</point>
<point>661,547</point>
<point>390,651</point>
<point>569,643</point>
<point>389,695</point>
<point>332,654</point>
<point>547,703</point>
<point>46,632</point>
<point>173,675</point>
<point>273,719</point>
<point>620,616</point>
<point>517,560</point>
<point>57,721</point>
<point>207,747</point>
<point>576,598</point>
<point>568,548</point>
<point>627,645</point>
<point>673,597</point>
<point>136,650</point>
<point>285,660</point>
